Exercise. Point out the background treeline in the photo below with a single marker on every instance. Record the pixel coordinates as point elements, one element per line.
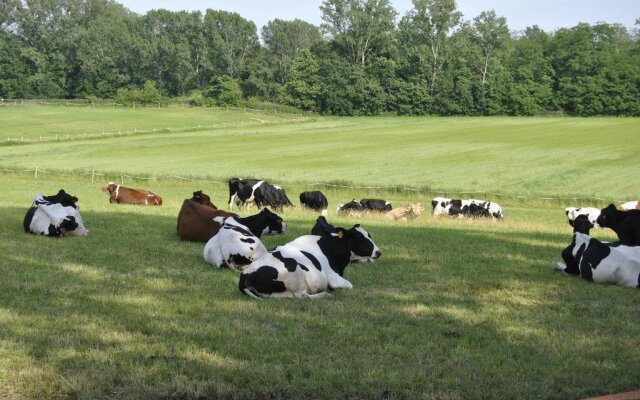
<point>365,59</point>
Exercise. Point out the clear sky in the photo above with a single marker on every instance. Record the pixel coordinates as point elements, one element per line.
<point>547,14</point>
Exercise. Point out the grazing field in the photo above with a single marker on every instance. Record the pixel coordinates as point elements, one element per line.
<point>454,309</point>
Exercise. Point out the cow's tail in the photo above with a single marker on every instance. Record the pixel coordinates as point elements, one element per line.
<point>245,287</point>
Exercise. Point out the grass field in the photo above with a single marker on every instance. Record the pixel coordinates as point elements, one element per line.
<point>454,309</point>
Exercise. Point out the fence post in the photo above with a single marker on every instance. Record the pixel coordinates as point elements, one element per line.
<point>36,174</point>
<point>93,174</point>
<point>121,179</point>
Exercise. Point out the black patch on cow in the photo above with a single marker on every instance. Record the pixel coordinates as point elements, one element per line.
<point>69,224</point>
<point>289,263</point>
<point>264,280</point>
<point>593,255</point>
<point>377,205</point>
<point>570,261</point>
<point>336,250</point>
<point>264,219</point>
<point>239,259</point>
<point>26,223</point>
<point>582,224</point>
<point>237,229</point>
<point>322,227</point>
<point>313,260</point>
<point>54,230</point>
<point>247,240</point>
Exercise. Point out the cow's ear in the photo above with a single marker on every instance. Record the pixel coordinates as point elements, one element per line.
<point>356,226</point>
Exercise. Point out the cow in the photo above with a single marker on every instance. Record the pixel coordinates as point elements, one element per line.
<point>308,266</point>
<point>630,205</point>
<point>124,195</point>
<point>590,212</point>
<point>351,208</point>
<point>56,215</point>
<point>626,224</point>
<point>598,261</point>
<point>406,213</point>
<point>314,200</point>
<point>465,207</point>
<point>195,219</point>
<point>247,191</point>
<point>237,243</point>
<point>376,205</point>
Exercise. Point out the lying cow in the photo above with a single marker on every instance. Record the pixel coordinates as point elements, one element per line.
<point>314,200</point>
<point>237,243</point>
<point>247,191</point>
<point>351,208</point>
<point>56,215</point>
<point>376,205</point>
<point>468,207</point>
<point>590,212</point>
<point>626,224</point>
<point>308,266</point>
<point>599,261</point>
<point>406,213</point>
<point>124,195</point>
<point>195,219</point>
<point>630,205</point>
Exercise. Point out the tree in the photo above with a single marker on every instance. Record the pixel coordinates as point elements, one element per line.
<point>302,89</point>
<point>362,28</point>
<point>490,35</point>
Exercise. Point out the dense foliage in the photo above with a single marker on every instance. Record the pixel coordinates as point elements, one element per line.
<point>365,59</point>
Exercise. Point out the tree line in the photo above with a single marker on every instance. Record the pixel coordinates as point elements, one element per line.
<point>364,59</point>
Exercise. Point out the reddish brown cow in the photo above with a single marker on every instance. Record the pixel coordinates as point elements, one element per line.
<point>124,195</point>
<point>195,219</point>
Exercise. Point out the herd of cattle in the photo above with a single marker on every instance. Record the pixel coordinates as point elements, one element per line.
<point>310,265</point>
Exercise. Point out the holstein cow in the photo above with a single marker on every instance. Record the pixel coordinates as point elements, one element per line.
<point>590,212</point>
<point>630,205</point>
<point>599,261</point>
<point>124,195</point>
<point>195,219</point>
<point>351,208</point>
<point>56,215</point>
<point>262,193</point>
<point>308,266</point>
<point>626,224</point>
<point>470,207</point>
<point>314,200</point>
<point>406,213</point>
<point>238,243</point>
<point>376,205</point>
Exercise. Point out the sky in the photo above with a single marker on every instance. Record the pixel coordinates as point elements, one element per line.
<point>547,14</point>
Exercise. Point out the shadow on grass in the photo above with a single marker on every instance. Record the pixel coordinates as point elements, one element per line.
<point>469,312</point>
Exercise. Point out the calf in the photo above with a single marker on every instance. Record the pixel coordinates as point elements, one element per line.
<point>601,262</point>
<point>56,215</point>
<point>314,200</point>
<point>626,224</point>
<point>406,213</point>
<point>308,266</point>
<point>195,219</point>
<point>590,212</point>
<point>376,205</point>
<point>124,195</point>
<point>237,242</point>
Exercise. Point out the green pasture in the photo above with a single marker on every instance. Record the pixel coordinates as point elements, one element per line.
<point>454,309</point>
<point>544,157</point>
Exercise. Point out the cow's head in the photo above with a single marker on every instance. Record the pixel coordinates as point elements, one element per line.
<point>274,225</point>
<point>360,244</point>
<point>110,188</point>
<point>582,224</point>
<point>202,198</point>
<point>608,216</point>
<point>63,198</point>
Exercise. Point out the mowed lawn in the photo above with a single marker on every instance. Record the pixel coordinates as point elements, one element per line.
<point>454,309</point>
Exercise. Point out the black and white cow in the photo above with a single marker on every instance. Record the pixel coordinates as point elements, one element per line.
<point>351,208</point>
<point>308,266</point>
<point>626,224</point>
<point>314,200</point>
<point>262,193</point>
<point>465,207</point>
<point>590,212</point>
<point>237,243</point>
<point>56,215</point>
<point>376,205</point>
<point>600,262</point>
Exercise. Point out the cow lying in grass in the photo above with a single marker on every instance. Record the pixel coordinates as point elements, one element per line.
<point>124,195</point>
<point>406,213</point>
<point>56,215</point>
<point>598,261</point>
<point>590,212</point>
<point>237,244</point>
<point>465,207</point>
<point>195,219</point>
<point>626,224</point>
<point>310,265</point>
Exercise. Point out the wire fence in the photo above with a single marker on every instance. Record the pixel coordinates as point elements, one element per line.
<point>95,176</point>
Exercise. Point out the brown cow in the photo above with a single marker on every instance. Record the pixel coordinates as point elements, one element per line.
<point>124,195</point>
<point>195,219</point>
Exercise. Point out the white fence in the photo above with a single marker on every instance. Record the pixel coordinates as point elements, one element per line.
<point>93,174</point>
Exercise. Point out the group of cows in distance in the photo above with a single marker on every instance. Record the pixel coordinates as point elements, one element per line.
<point>311,265</point>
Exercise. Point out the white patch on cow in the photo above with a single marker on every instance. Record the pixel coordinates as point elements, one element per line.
<point>629,205</point>
<point>221,249</point>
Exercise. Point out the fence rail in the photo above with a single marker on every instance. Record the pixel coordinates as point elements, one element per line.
<point>93,174</point>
